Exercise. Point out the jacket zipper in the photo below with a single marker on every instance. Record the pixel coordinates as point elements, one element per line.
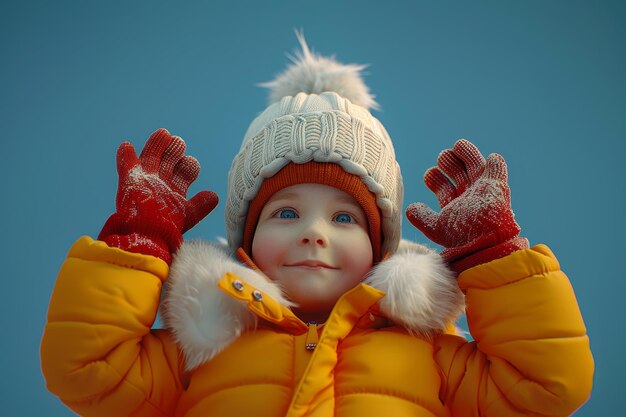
<point>311,337</point>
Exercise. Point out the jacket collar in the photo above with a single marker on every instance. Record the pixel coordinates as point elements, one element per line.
<point>211,298</point>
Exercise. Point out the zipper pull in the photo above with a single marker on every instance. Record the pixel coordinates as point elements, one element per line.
<point>311,337</point>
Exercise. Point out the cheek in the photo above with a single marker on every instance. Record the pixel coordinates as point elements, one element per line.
<point>357,252</point>
<point>267,247</point>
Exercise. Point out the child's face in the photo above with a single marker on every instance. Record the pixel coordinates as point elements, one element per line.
<point>313,240</point>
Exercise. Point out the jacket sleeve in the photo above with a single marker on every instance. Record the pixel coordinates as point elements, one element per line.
<point>98,353</point>
<point>530,354</point>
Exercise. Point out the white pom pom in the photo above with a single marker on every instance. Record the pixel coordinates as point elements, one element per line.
<point>314,74</point>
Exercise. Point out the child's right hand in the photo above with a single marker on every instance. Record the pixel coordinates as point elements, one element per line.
<point>152,210</point>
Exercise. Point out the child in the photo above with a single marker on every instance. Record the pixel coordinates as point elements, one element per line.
<point>324,311</point>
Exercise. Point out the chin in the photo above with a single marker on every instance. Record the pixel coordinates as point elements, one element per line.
<point>313,305</point>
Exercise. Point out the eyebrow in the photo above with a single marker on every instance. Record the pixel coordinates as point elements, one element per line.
<point>347,199</point>
<point>341,198</point>
<point>286,196</point>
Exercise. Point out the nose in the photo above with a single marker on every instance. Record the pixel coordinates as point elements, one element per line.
<point>313,234</point>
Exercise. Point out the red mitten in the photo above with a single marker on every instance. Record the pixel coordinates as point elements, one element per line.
<point>152,210</point>
<point>476,223</point>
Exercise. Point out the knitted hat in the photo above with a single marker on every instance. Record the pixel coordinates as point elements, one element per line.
<point>317,129</point>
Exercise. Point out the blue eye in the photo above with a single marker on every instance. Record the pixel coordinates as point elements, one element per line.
<point>287,214</point>
<point>344,218</point>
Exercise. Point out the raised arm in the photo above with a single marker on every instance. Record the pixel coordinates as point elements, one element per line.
<point>530,354</point>
<point>98,352</point>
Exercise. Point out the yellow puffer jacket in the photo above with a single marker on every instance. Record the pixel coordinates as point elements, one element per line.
<point>232,347</point>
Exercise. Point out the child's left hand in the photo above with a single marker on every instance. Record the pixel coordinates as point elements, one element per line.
<point>476,223</point>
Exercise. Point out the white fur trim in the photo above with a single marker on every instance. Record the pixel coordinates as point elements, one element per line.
<point>422,294</point>
<point>202,318</point>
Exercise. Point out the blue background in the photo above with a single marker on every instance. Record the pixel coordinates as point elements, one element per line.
<point>541,82</point>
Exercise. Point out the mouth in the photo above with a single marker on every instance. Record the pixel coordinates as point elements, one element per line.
<point>310,264</point>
